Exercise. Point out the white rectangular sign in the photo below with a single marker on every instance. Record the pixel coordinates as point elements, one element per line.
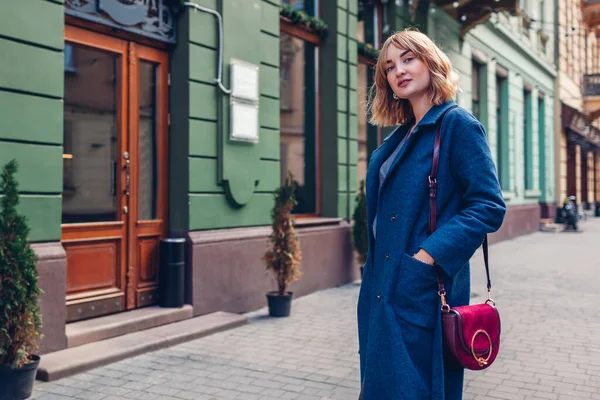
<point>244,121</point>
<point>244,80</point>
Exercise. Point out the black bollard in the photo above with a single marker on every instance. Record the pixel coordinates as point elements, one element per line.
<point>171,290</point>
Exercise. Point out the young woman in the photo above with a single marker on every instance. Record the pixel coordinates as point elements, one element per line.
<point>399,316</point>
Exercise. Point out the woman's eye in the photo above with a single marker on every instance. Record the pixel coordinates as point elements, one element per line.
<point>408,59</point>
<point>388,69</point>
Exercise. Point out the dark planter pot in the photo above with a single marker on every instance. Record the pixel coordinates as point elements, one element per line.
<point>18,383</point>
<point>279,306</point>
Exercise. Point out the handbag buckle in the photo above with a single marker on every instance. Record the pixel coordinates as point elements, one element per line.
<point>490,300</point>
<point>480,360</point>
<point>445,306</point>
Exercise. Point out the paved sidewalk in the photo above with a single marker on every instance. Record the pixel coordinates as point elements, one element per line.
<point>546,287</point>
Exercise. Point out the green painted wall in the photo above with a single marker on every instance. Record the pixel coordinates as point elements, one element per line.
<point>31,108</point>
<point>339,135</point>
<point>216,183</point>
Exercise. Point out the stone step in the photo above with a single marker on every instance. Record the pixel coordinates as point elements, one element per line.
<point>82,358</point>
<point>93,330</point>
<point>549,225</point>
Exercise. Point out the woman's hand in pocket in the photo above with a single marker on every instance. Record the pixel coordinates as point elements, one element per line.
<point>424,257</point>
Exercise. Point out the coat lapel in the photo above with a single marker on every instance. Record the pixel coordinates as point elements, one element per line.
<point>373,188</point>
<point>431,118</point>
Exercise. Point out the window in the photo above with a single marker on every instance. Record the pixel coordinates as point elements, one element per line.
<point>476,89</point>
<point>296,4</point>
<point>68,172</point>
<point>502,127</point>
<point>527,138</point>
<point>288,48</point>
<point>69,59</point>
<point>368,31</point>
<point>299,103</point>
<point>369,23</point>
<point>362,91</point>
<point>542,142</point>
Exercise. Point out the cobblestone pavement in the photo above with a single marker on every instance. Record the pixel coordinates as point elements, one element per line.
<point>546,287</point>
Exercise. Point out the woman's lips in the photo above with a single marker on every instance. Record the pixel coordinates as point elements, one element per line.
<point>404,82</point>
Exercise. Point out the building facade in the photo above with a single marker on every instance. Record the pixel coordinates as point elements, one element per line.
<point>577,135</point>
<point>139,120</point>
<point>124,138</point>
<point>509,63</point>
<point>506,63</point>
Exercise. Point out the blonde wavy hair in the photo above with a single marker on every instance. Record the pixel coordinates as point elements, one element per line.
<point>384,110</point>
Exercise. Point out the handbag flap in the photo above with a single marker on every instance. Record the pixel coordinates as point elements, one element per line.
<point>478,321</point>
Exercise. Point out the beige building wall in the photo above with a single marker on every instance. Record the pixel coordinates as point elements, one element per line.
<point>578,171</point>
<point>590,177</point>
<point>578,56</point>
<point>597,174</point>
<point>562,175</point>
<point>572,49</point>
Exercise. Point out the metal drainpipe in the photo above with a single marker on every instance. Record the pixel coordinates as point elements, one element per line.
<point>220,107</point>
<point>197,7</point>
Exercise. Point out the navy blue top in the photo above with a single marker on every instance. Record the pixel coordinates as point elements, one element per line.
<point>383,171</point>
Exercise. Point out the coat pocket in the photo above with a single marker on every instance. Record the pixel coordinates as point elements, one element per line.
<point>415,297</point>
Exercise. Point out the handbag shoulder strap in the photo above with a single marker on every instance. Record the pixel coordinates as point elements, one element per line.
<point>432,204</point>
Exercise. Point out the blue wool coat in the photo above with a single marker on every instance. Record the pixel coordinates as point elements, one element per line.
<point>399,317</point>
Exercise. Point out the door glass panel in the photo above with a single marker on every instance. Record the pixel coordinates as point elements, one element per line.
<point>90,135</point>
<point>147,146</point>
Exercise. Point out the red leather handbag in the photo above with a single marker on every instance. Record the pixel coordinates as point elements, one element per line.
<point>471,333</point>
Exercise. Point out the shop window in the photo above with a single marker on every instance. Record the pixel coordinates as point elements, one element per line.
<point>288,48</point>
<point>299,102</point>
<point>68,173</point>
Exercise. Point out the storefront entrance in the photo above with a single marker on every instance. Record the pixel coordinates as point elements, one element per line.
<point>115,168</point>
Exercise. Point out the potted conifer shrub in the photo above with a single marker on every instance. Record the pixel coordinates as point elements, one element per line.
<point>20,319</point>
<point>284,255</point>
<point>360,237</point>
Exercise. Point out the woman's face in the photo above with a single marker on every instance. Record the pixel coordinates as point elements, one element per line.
<point>407,75</point>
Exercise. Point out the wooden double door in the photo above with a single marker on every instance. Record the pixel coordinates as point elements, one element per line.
<point>115,170</point>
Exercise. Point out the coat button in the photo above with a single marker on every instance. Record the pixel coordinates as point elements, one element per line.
<point>387,257</point>
<point>393,218</point>
<point>379,297</point>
